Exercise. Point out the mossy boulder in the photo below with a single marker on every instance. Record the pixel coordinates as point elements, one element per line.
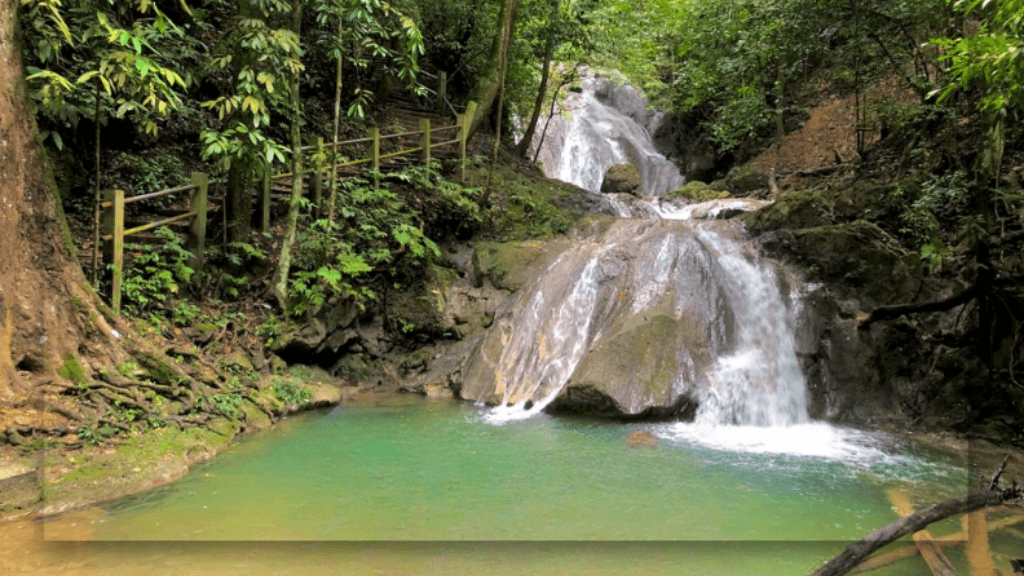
<point>697,191</point>
<point>420,308</point>
<point>637,367</point>
<point>622,179</point>
<point>800,209</point>
<point>506,265</point>
<point>858,258</point>
<point>743,181</point>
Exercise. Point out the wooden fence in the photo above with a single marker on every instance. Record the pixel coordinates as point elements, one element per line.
<point>318,171</point>
<point>113,206</point>
<point>115,233</point>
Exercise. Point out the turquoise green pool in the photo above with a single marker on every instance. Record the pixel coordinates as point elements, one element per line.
<point>408,469</point>
<point>403,485</point>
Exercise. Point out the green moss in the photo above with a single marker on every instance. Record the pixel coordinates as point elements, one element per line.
<point>504,263</point>
<point>525,206</point>
<point>72,370</point>
<point>794,210</point>
<point>621,178</point>
<point>644,356</point>
<point>128,368</point>
<point>697,191</point>
<point>160,371</point>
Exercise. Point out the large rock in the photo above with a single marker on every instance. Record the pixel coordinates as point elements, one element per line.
<point>859,258</point>
<point>622,179</point>
<point>626,323</point>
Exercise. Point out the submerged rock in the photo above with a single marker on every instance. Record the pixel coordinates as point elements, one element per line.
<point>641,440</point>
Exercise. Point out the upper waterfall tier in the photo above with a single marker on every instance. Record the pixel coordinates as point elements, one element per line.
<point>608,125</point>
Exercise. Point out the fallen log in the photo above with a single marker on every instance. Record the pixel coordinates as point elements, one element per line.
<point>948,541</point>
<point>856,552</point>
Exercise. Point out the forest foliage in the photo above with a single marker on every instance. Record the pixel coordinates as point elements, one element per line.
<point>219,76</point>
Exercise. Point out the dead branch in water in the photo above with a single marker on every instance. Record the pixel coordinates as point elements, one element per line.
<point>857,552</point>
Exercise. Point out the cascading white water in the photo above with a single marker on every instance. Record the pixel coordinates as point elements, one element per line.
<point>538,360</point>
<point>760,383</point>
<point>600,136</point>
<point>713,297</point>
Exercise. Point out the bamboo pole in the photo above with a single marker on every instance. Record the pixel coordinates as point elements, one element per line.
<point>442,91</point>
<point>316,184</point>
<point>375,155</point>
<point>265,203</point>
<point>978,554</point>
<point>118,250</point>
<point>198,204</point>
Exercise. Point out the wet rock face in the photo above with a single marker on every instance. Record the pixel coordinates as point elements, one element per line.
<point>609,125</point>
<point>634,321</point>
<point>864,377</point>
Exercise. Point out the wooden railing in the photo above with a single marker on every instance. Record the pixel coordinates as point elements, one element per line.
<point>318,171</point>
<point>115,233</point>
<point>113,218</point>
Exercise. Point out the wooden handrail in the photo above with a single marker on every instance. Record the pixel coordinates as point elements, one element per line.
<point>113,218</point>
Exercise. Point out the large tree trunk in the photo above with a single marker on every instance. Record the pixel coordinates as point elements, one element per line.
<point>38,274</point>
<point>55,334</point>
<point>490,81</point>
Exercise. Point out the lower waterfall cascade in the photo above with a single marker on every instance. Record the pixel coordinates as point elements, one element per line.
<point>656,275</point>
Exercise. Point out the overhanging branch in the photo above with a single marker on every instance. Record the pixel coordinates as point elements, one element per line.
<point>897,310</point>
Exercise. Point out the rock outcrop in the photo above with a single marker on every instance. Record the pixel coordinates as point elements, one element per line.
<point>622,179</point>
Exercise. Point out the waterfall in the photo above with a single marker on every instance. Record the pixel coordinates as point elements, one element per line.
<point>603,131</point>
<point>656,309</point>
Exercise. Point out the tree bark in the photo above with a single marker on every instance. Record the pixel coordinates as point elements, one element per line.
<point>50,318</point>
<point>490,81</point>
<point>549,50</point>
<point>239,185</point>
<point>897,310</point>
<point>334,133</point>
<point>280,287</point>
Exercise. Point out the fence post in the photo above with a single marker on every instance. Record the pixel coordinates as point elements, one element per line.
<point>118,248</point>
<point>265,202</point>
<point>442,91</point>
<point>107,229</point>
<point>198,203</point>
<point>465,121</point>
<point>425,140</point>
<point>316,175</point>
<point>375,137</point>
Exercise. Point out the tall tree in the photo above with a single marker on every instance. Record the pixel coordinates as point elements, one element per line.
<point>491,79</point>
<point>284,262</point>
<point>258,59</point>
<point>565,27</point>
<point>55,336</point>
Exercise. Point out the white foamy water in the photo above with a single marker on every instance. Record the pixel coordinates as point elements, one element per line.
<point>760,383</point>
<point>811,440</point>
<point>601,136</point>
<point>499,415</point>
